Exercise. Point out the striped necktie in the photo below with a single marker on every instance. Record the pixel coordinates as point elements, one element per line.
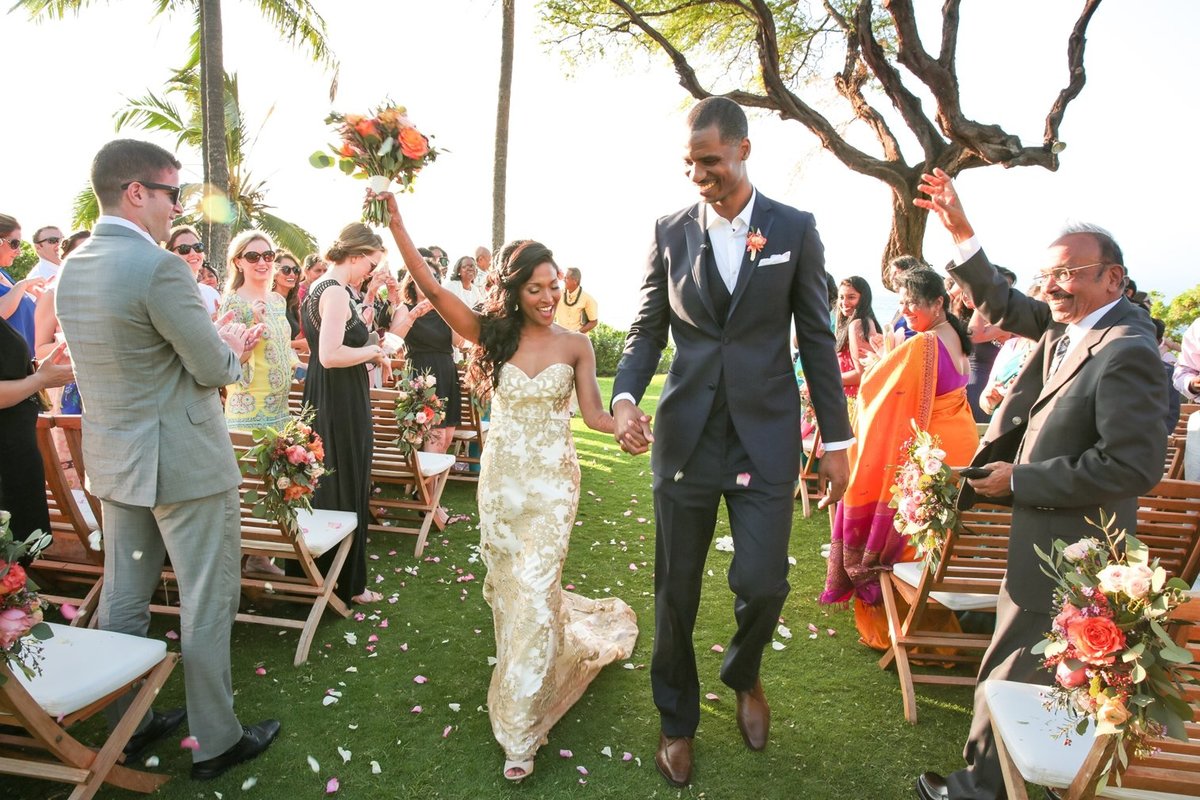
<point>1060,352</point>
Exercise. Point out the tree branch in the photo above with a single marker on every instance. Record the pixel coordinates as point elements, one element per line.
<point>1075,47</point>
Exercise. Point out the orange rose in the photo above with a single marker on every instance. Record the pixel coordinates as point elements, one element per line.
<point>294,492</point>
<point>348,150</point>
<point>413,144</point>
<point>1095,639</point>
<point>13,580</point>
<point>366,127</point>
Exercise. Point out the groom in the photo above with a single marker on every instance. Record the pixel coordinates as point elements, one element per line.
<point>726,278</point>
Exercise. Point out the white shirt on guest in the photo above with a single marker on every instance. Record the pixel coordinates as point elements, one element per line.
<point>44,269</point>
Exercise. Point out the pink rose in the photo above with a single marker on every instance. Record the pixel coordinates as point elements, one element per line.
<point>14,623</point>
<point>297,454</point>
<point>1070,678</point>
<point>933,466</point>
<point>1138,580</point>
<point>1068,613</point>
<point>1112,578</point>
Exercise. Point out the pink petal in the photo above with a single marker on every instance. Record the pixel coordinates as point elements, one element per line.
<point>370,648</point>
<point>383,623</point>
<point>420,679</point>
<point>260,671</point>
<point>569,587</point>
<point>743,479</point>
<point>711,696</point>
<point>716,648</point>
<point>446,731</point>
<point>565,754</point>
<point>68,611</point>
<point>404,647</point>
<point>627,756</point>
<point>359,617</point>
<point>189,743</point>
<point>812,628</point>
<point>831,631</point>
<point>416,710</point>
<point>582,769</point>
<point>372,638</point>
<point>632,567</point>
<point>172,635</point>
<point>332,786</point>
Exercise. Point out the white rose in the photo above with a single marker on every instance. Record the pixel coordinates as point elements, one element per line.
<point>933,466</point>
<point>431,381</point>
<point>283,482</point>
<point>1137,581</point>
<point>1079,550</point>
<point>420,418</point>
<point>1112,578</point>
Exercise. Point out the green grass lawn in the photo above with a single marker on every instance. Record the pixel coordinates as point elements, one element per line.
<point>837,726</point>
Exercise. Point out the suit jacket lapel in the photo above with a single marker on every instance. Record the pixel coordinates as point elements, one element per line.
<point>760,220</point>
<point>1078,355</point>
<point>693,235</point>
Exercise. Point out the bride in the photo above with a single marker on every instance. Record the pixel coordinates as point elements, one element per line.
<point>550,643</point>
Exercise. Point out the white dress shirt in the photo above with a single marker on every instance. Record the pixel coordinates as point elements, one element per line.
<point>108,219</point>
<point>44,269</point>
<point>1188,365</point>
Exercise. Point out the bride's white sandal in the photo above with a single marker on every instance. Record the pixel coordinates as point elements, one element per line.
<point>525,770</point>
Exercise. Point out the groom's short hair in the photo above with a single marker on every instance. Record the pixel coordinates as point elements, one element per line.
<point>124,160</point>
<point>727,115</point>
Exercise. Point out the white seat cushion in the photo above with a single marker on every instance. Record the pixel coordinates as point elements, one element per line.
<point>1028,729</point>
<point>466,434</point>
<point>434,463</point>
<point>85,510</point>
<point>81,665</point>
<point>910,573</point>
<point>323,529</point>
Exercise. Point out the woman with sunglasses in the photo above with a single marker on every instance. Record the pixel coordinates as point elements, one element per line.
<point>184,242</point>
<point>18,299</point>
<point>287,286</point>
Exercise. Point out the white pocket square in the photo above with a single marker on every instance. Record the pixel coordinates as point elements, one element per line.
<point>778,258</point>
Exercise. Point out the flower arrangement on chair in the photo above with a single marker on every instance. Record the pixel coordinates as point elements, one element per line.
<point>924,494</point>
<point>21,626</point>
<point>290,463</point>
<point>382,146</point>
<point>418,408</point>
<point>1114,663</point>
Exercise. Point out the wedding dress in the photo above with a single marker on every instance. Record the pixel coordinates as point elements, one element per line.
<point>550,643</point>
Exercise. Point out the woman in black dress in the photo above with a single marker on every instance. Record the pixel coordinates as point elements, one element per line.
<point>22,480</point>
<point>338,390</point>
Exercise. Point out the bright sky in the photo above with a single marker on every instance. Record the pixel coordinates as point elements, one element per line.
<point>595,157</point>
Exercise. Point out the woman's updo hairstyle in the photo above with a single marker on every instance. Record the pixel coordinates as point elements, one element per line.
<point>501,321</point>
<point>355,239</point>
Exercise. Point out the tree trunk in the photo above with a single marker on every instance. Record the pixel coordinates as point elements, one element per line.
<point>215,153</point>
<point>907,235</point>
<point>503,103</point>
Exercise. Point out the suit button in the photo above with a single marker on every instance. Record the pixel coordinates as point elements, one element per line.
<point>712,386</point>
<point>1016,420</point>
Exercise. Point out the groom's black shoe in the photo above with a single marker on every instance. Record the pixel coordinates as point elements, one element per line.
<point>931,786</point>
<point>754,717</point>
<point>674,759</point>
<point>255,739</point>
<point>161,724</point>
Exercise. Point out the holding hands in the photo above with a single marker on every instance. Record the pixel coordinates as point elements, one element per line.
<point>633,432</point>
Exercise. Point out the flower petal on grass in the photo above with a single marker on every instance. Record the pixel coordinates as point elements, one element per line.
<point>784,631</point>
<point>606,751</point>
<point>172,635</point>
<point>420,679</point>
<point>716,648</point>
<point>582,769</point>
<point>260,671</point>
<point>712,696</point>
<point>375,768</point>
<point>417,710</point>
<point>248,784</point>
<point>152,761</point>
<point>812,628</point>
<point>345,754</point>
<point>627,756</point>
<point>332,786</point>
<point>778,645</point>
<point>565,754</point>
<point>446,731</point>
<point>189,743</point>
<point>743,479</point>
<point>455,707</point>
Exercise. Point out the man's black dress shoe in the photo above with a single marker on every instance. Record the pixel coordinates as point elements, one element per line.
<point>161,723</point>
<point>255,739</point>
<point>931,786</point>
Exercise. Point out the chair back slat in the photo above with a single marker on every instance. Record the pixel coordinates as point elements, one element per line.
<point>1168,522</point>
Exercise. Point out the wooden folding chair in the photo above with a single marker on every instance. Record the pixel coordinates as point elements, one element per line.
<point>83,671</point>
<point>966,578</point>
<point>1025,730</point>
<point>808,484</point>
<point>1168,522</point>
<point>69,571</point>
<point>295,399</point>
<point>322,531</point>
<point>1173,464</point>
<point>472,430</point>
<point>412,482</point>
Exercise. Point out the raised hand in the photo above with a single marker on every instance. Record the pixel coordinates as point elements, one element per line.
<point>945,204</point>
<point>389,200</point>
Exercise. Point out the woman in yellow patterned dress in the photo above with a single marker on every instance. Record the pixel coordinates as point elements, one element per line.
<point>550,643</point>
<point>259,399</point>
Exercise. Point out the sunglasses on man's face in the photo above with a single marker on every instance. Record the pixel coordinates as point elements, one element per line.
<point>15,244</point>
<point>266,255</point>
<point>289,270</point>
<point>49,240</point>
<point>173,191</point>
<point>184,249</point>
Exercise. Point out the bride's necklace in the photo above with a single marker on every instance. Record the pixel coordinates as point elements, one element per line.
<point>567,296</point>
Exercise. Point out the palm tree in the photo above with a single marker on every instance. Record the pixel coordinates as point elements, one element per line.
<point>503,104</point>
<point>247,206</point>
<point>296,20</point>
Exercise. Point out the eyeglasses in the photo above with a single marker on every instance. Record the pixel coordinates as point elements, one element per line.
<point>443,260</point>
<point>266,255</point>
<point>15,244</point>
<point>1062,274</point>
<point>48,240</point>
<point>289,270</point>
<point>184,249</point>
<point>172,190</point>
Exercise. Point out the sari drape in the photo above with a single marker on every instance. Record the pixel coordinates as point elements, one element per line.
<point>896,392</point>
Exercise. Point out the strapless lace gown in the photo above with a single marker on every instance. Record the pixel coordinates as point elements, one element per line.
<point>550,643</point>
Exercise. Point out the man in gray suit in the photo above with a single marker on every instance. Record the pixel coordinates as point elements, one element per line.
<point>1080,433</point>
<point>148,363</point>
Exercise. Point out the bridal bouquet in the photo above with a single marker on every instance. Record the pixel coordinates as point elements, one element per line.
<point>383,147</point>
<point>1113,661</point>
<point>418,408</point>
<point>290,463</point>
<point>924,494</point>
<point>21,626</point>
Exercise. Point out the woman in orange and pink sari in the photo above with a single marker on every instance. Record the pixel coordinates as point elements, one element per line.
<point>923,380</point>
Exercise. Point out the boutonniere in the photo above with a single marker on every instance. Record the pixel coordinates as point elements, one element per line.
<point>755,241</point>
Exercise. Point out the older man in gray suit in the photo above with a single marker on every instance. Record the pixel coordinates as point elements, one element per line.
<point>148,363</point>
<point>1080,433</point>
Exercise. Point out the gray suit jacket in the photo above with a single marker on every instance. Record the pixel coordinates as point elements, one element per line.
<point>1089,438</point>
<point>749,350</point>
<point>148,362</point>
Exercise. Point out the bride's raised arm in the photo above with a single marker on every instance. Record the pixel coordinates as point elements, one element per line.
<point>457,314</point>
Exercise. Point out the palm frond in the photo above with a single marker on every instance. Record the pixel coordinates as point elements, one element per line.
<point>154,113</point>
<point>85,210</point>
<point>40,10</point>
<point>298,22</point>
<point>287,235</point>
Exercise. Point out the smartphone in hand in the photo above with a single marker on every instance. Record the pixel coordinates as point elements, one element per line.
<point>973,473</point>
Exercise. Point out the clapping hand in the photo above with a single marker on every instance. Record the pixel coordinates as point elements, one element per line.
<point>232,333</point>
<point>55,369</point>
<point>31,286</point>
<point>944,202</point>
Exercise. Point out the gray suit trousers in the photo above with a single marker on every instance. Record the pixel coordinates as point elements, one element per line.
<point>1007,658</point>
<point>202,538</point>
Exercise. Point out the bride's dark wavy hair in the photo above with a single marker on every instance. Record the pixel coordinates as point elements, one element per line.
<point>501,320</point>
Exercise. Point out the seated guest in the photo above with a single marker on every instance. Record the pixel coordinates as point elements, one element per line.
<point>923,381</point>
<point>185,243</point>
<point>18,299</point>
